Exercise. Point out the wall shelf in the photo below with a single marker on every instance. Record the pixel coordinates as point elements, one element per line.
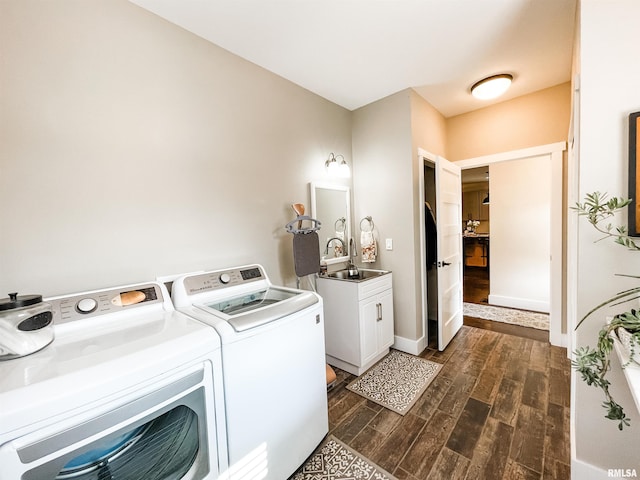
<point>631,371</point>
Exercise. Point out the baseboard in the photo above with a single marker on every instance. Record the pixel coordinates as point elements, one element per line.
<point>585,471</point>
<point>413,347</point>
<point>521,303</point>
<point>561,340</point>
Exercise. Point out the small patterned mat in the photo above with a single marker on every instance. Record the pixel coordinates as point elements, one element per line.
<point>333,460</point>
<point>396,381</point>
<point>523,318</point>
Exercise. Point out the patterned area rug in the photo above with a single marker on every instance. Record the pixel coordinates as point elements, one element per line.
<point>396,381</point>
<point>523,318</point>
<point>333,460</point>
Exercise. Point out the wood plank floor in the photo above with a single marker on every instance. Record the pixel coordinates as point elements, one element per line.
<point>476,285</point>
<point>498,409</point>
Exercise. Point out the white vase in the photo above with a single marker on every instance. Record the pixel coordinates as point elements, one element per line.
<point>629,345</point>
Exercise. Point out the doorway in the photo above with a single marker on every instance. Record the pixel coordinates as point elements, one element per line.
<point>430,242</point>
<point>476,236</point>
<point>520,239</point>
<point>440,205</point>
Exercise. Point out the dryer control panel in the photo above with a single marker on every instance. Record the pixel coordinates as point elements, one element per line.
<point>91,304</point>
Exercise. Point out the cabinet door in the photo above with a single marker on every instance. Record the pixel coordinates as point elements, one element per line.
<point>385,324</point>
<point>369,313</point>
<point>469,206</point>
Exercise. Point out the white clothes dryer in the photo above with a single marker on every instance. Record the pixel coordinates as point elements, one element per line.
<point>273,366</point>
<point>129,389</point>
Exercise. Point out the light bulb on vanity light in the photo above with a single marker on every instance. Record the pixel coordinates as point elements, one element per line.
<point>336,168</point>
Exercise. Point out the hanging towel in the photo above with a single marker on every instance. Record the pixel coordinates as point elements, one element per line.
<point>368,247</point>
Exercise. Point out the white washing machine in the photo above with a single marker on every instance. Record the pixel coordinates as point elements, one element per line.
<point>273,366</point>
<point>129,389</point>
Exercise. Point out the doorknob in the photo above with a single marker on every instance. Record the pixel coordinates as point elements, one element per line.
<point>443,264</point>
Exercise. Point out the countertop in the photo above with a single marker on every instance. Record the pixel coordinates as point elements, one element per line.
<point>475,235</point>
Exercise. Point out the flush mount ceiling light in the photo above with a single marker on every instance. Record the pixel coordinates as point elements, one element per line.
<point>491,87</point>
<point>336,168</point>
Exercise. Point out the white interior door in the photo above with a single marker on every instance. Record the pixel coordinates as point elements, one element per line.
<point>449,218</point>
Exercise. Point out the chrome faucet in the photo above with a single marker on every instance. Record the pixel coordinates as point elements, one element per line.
<point>353,270</point>
<point>352,249</point>
<point>326,250</point>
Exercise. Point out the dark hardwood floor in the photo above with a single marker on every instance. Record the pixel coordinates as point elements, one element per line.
<point>476,285</point>
<point>498,409</point>
<point>476,290</point>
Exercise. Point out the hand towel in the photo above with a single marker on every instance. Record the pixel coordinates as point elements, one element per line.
<point>368,247</point>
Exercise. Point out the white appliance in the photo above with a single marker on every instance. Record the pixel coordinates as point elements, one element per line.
<point>129,389</point>
<point>273,366</point>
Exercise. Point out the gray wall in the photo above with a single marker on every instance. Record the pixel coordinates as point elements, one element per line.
<point>132,148</point>
<point>386,138</point>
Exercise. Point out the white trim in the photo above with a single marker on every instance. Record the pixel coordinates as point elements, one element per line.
<point>423,156</point>
<point>585,471</point>
<point>512,155</point>
<point>412,347</point>
<point>554,150</point>
<point>557,260</point>
<point>521,303</point>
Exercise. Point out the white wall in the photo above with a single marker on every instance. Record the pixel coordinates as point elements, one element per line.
<point>131,148</point>
<point>520,210</point>
<point>609,79</point>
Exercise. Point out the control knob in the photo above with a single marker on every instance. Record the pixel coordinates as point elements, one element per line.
<point>86,305</point>
<point>225,278</point>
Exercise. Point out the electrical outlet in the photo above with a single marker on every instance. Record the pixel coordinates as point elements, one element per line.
<point>389,243</point>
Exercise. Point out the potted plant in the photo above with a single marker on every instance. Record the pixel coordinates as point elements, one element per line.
<point>593,363</point>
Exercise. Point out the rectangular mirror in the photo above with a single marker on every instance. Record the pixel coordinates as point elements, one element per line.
<point>330,204</point>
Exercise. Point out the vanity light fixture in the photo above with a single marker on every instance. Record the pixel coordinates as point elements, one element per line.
<point>491,87</point>
<point>336,168</point>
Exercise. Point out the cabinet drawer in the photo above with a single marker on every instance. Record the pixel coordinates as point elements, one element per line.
<point>374,286</point>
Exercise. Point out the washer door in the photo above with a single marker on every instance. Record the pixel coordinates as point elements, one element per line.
<point>163,434</point>
<point>165,447</point>
<point>258,308</point>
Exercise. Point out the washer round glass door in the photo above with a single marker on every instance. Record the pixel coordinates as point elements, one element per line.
<point>163,448</point>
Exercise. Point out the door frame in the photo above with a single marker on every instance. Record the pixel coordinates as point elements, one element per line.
<point>557,336</point>
<point>424,158</point>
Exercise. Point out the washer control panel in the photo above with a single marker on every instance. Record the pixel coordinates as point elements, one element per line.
<point>223,278</point>
<point>85,305</point>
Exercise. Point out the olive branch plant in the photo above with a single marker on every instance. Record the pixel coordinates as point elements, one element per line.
<point>593,364</point>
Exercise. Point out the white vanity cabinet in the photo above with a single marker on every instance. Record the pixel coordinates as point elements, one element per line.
<point>358,321</point>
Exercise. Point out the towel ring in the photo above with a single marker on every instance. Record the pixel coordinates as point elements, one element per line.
<point>371,224</point>
<point>340,223</point>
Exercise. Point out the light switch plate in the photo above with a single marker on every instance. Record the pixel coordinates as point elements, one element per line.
<point>389,243</point>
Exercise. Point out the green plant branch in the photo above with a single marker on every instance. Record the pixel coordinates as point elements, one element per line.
<point>597,208</point>
<point>594,364</point>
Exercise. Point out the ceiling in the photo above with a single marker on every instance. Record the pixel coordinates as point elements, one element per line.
<point>475,175</point>
<point>354,52</point>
